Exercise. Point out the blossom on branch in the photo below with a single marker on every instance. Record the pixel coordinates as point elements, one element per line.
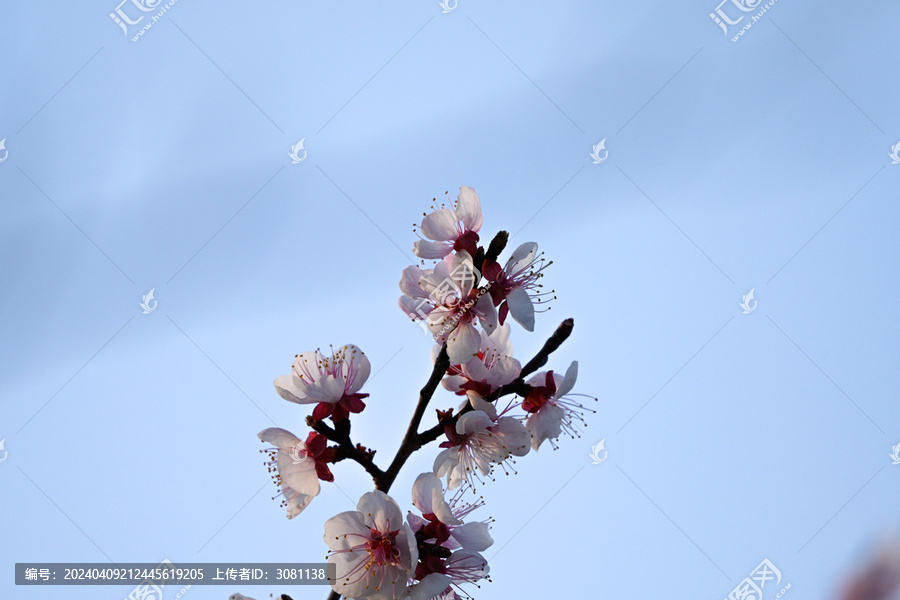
<point>441,521</point>
<point>451,303</point>
<point>331,383</point>
<point>298,480</point>
<point>515,288</point>
<point>451,229</point>
<point>443,583</point>
<point>476,442</point>
<point>463,300</point>
<point>492,366</point>
<point>373,550</point>
<point>551,411</point>
<point>448,548</point>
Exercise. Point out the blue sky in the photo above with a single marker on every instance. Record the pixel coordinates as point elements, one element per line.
<point>163,163</point>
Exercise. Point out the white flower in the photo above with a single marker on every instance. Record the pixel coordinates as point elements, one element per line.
<point>332,383</point>
<point>373,550</point>
<point>477,441</point>
<point>451,229</point>
<point>441,522</point>
<point>451,304</point>
<point>515,288</point>
<point>297,481</point>
<point>463,566</point>
<point>439,531</point>
<point>551,412</point>
<point>492,367</point>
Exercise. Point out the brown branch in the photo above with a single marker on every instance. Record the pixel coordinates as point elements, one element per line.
<point>413,440</point>
<point>410,440</point>
<point>346,449</point>
<point>556,340</point>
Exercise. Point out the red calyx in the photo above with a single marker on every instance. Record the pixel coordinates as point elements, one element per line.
<point>340,411</point>
<point>453,438</point>
<point>435,529</point>
<point>538,395</point>
<point>468,242</point>
<point>428,564</point>
<point>317,449</point>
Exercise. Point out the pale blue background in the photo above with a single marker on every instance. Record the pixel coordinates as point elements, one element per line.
<point>144,441</point>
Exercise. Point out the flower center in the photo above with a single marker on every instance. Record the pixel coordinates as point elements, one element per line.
<point>382,548</point>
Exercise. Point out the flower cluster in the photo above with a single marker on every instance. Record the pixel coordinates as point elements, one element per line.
<point>464,300</point>
<point>467,286</point>
<point>332,384</point>
<point>378,556</point>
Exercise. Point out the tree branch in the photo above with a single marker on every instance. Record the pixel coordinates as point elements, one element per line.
<point>410,440</point>
<point>556,340</point>
<point>346,449</point>
<point>413,440</point>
